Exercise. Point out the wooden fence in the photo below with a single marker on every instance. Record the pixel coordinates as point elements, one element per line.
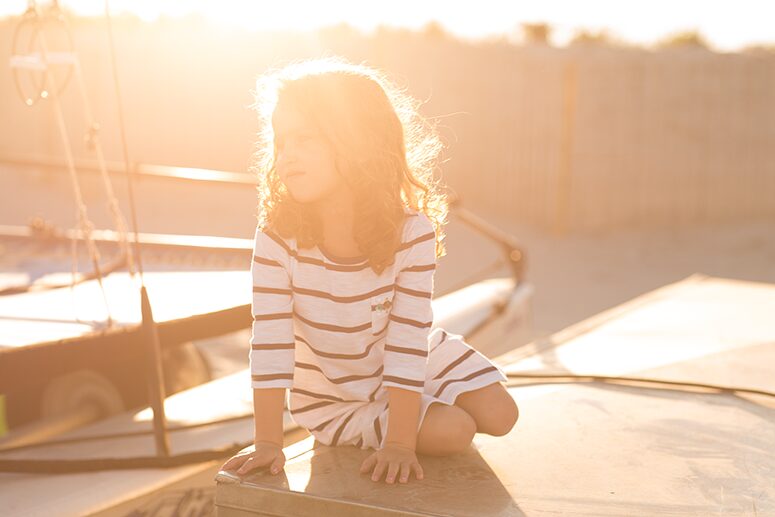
<point>564,139</point>
<point>595,139</point>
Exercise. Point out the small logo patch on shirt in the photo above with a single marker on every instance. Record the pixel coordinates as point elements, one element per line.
<point>382,306</point>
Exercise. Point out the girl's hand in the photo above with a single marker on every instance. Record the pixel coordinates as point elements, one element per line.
<point>258,455</point>
<point>392,457</point>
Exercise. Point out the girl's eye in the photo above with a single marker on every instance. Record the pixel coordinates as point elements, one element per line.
<point>299,139</point>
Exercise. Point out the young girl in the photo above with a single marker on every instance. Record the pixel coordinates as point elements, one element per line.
<point>345,252</point>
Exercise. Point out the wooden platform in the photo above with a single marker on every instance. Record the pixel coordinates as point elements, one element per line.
<point>586,449</point>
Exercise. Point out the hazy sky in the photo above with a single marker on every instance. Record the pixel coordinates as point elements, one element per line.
<point>727,25</point>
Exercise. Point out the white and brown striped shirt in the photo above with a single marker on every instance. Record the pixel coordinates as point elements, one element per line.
<point>333,330</point>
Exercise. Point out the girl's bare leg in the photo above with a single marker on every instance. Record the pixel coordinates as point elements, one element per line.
<point>449,429</point>
<point>491,407</point>
<point>445,430</point>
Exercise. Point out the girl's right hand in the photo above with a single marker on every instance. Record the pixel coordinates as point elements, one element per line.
<point>258,455</point>
<point>393,458</point>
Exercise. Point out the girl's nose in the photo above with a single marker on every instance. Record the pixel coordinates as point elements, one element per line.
<point>284,159</point>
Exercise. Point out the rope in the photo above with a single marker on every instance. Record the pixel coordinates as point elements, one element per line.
<point>568,377</point>
<point>84,224</point>
<point>93,139</point>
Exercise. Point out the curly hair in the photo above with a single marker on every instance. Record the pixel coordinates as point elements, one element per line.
<point>384,149</point>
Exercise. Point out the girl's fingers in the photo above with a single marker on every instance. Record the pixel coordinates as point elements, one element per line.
<point>378,470</point>
<point>418,472</point>
<point>246,466</point>
<point>246,463</point>
<point>368,463</point>
<point>234,462</point>
<point>277,465</point>
<point>392,470</point>
<point>405,471</point>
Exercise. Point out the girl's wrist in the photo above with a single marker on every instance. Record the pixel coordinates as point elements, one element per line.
<point>268,442</point>
<point>399,444</point>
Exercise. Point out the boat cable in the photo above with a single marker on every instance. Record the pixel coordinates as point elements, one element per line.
<point>558,378</point>
<point>94,143</point>
<point>148,327</point>
<point>84,224</point>
<point>212,454</point>
<point>124,146</point>
<point>54,12</point>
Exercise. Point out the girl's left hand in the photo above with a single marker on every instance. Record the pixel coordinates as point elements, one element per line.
<point>392,457</point>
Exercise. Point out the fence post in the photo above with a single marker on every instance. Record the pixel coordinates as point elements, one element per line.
<point>569,91</point>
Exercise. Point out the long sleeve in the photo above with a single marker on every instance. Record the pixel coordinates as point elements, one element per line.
<point>272,343</point>
<point>411,318</point>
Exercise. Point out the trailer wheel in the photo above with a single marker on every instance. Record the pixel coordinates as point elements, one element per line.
<point>73,391</point>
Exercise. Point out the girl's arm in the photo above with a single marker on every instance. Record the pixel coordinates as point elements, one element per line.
<point>272,344</point>
<point>404,417</point>
<point>406,345</point>
<point>411,316</point>
<point>268,405</point>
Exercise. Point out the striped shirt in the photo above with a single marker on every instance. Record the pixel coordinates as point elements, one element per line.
<point>332,330</point>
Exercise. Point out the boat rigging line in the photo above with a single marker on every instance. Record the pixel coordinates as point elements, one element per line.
<point>149,330</point>
<point>49,89</point>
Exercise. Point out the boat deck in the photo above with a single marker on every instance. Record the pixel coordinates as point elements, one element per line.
<point>196,286</point>
<point>60,314</point>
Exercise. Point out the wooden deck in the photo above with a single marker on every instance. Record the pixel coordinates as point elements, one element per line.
<point>586,449</point>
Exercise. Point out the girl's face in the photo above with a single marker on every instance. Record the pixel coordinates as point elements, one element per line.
<point>304,159</point>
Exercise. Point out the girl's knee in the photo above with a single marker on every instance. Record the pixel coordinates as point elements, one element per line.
<point>501,417</point>
<point>445,430</point>
<point>505,419</point>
